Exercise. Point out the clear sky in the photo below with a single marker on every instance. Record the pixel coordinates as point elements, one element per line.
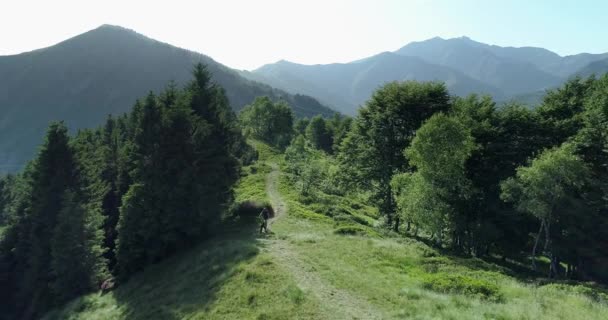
<point>249,33</point>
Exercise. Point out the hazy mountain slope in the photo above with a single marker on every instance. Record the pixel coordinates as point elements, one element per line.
<point>543,59</point>
<point>597,68</point>
<point>467,66</point>
<point>103,71</point>
<point>571,64</point>
<point>293,77</point>
<point>345,86</point>
<point>478,61</point>
<point>469,50</point>
<point>548,61</point>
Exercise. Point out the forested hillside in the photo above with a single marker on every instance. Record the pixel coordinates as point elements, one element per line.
<point>113,200</point>
<point>470,177</point>
<point>101,72</point>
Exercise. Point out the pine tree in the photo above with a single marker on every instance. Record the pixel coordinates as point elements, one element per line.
<point>36,209</point>
<point>52,176</point>
<point>139,228</point>
<point>216,135</point>
<point>76,251</point>
<point>133,232</point>
<point>184,157</point>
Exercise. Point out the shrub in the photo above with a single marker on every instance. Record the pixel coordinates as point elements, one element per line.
<point>350,230</point>
<point>298,211</point>
<point>452,283</point>
<point>248,209</point>
<point>360,220</point>
<point>594,293</point>
<point>295,294</point>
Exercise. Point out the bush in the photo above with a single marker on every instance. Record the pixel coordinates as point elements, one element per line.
<point>451,283</point>
<point>592,292</point>
<point>350,230</point>
<point>295,294</point>
<point>251,209</point>
<point>298,211</point>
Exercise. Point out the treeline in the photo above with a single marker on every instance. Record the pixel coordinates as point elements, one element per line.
<point>473,177</point>
<point>112,200</point>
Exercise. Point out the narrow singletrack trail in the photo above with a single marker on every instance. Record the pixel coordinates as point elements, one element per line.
<point>338,303</point>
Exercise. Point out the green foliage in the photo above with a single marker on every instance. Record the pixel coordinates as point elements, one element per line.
<point>6,197</point>
<point>595,293</point>
<point>52,250</point>
<point>432,196</point>
<point>373,150</point>
<point>76,250</point>
<point>551,189</point>
<point>120,197</point>
<point>440,149</point>
<point>354,230</point>
<point>340,126</point>
<point>319,135</point>
<point>562,109</point>
<point>538,188</point>
<point>505,138</point>
<point>248,211</point>
<point>349,230</point>
<point>306,165</point>
<point>134,229</point>
<point>300,126</point>
<point>451,283</point>
<point>268,121</point>
<point>419,203</point>
<point>185,153</point>
<point>592,140</point>
<point>235,275</point>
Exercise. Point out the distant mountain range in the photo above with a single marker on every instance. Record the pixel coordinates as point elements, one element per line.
<point>103,71</point>
<point>466,66</point>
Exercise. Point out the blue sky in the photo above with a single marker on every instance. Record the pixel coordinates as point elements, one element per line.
<point>246,34</point>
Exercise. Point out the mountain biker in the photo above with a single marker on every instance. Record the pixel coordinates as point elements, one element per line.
<point>264,215</point>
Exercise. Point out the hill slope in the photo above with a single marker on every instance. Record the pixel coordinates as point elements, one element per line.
<point>103,71</point>
<point>314,267</point>
<point>345,86</point>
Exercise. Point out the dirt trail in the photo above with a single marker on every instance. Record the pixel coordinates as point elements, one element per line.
<point>337,302</point>
<point>272,189</point>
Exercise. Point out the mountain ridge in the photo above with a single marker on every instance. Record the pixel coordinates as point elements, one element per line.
<point>465,65</point>
<point>345,86</point>
<point>103,71</point>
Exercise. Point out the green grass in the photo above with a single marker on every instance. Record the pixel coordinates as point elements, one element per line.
<point>234,276</point>
<point>228,277</point>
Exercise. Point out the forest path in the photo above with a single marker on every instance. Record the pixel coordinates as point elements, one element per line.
<point>336,302</point>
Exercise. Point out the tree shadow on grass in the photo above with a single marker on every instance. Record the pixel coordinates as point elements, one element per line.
<point>519,267</point>
<point>189,281</point>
